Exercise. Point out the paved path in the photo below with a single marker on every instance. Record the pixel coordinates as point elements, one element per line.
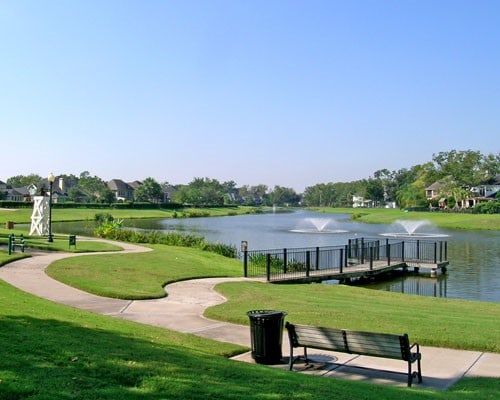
<point>183,311</point>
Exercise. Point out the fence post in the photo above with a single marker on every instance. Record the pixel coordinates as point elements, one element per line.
<point>308,262</point>
<point>388,253</point>
<point>11,239</point>
<point>317,259</point>
<point>371,258</point>
<point>418,250</point>
<point>435,252</point>
<point>446,251</point>
<point>362,250</point>
<point>341,260</point>
<point>284,260</point>
<point>245,263</point>
<point>403,251</point>
<point>268,267</point>
<point>346,259</point>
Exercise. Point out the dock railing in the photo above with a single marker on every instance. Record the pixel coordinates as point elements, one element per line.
<point>295,263</point>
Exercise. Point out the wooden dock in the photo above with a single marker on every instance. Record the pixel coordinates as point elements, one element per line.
<point>365,258</point>
<point>360,271</point>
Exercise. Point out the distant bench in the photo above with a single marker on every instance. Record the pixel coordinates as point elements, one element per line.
<point>15,241</point>
<point>355,342</point>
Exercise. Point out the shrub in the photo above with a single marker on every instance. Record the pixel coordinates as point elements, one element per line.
<point>113,230</point>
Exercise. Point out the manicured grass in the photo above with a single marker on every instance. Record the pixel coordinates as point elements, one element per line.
<point>430,321</point>
<point>60,243</point>
<point>23,215</point>
<point>50,351</point>
<point>141,275</point>
<point>439,219</point>
<point>6,258</point>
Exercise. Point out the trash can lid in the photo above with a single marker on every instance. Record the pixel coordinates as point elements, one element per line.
<point>263,313</point>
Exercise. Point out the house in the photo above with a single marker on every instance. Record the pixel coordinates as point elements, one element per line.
<point>487,191</point>
<point>434,190</point>
<point>360,202</point>
<point>8,193</point>
<point>479,194</point>
<point>123,191</point>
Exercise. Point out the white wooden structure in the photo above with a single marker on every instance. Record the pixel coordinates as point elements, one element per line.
<point>40,216</point>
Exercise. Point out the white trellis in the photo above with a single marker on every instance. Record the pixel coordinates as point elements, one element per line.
<point>40,216</point>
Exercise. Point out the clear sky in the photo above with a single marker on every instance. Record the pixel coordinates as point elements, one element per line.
<point>289,93</point>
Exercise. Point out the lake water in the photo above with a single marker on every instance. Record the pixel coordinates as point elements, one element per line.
<point>474,256</point>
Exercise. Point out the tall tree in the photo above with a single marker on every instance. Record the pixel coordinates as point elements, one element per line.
<point>465,167</point>
<point>24,180</point>
<point>149,190</point>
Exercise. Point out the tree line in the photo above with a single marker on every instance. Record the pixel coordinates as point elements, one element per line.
<point>458,171</point>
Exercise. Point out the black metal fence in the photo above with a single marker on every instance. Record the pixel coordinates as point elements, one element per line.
<point>279,264</point>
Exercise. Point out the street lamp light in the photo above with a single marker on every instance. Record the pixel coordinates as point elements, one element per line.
<point>51,178</point>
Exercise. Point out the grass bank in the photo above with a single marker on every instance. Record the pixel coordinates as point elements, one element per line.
<point>141,275</point>
<point>23,215</point>
<point>50,351</point>
<point>439,219</point>
<point>430,321</point>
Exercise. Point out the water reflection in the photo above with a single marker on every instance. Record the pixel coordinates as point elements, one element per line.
<point>418,285</point>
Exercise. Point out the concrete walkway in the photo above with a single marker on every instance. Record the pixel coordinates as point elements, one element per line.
<point>183,311</point>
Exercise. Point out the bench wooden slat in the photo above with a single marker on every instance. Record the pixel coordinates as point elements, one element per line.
<point>356,342</point>
<point>326,338</point>
<point>376,344</point>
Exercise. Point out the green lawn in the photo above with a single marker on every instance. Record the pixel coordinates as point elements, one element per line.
<point>430,321</point>
<point>23,215</point>
<point>141,275</point>
<point>439,219</point>
<point>50,351</point>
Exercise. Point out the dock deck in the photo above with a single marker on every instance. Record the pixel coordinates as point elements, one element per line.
<point>363,258</point>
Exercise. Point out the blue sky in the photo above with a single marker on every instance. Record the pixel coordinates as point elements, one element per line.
<point>289,93</point>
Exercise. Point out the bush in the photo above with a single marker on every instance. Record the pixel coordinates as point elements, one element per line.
<point>112,230</point>
<point>491,207</point>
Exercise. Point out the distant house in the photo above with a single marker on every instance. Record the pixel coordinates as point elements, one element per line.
<point>168,193</point>
<point>360,202</point>
<point>435,190</point>
<point>14,194</point>
<point>122,191</point>
<point>487,191</point>
<point>479,194</point>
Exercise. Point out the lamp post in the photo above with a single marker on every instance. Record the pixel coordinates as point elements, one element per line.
<point>51,178</point>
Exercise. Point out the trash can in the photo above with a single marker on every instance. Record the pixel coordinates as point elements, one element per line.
<point>266,334</point>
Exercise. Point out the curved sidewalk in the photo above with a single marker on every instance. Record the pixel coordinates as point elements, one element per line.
<point>183,310</point>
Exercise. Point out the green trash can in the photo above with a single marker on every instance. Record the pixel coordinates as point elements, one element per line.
<point>266,334</point>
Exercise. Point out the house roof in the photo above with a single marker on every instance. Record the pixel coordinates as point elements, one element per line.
<point>436,186</point>
<point>119,186</point>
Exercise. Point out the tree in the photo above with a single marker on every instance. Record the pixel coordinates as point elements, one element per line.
<point>282,196</point>
<point>411,196</point>
<point>465,167</point>
<point>375,190</point>
<point>22,180</point>
<point>92,185</point>
<point>149,190</point>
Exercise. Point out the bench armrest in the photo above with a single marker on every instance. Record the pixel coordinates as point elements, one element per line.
<point>415,345</point>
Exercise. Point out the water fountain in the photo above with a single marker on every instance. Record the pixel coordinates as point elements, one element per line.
<point>410,229</point>
<point>316,225</point>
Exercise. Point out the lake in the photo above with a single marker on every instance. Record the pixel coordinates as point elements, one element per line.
<point>474,256</point>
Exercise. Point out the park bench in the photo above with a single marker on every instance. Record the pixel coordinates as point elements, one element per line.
<point>16,241</point>
<point>355,342</point>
